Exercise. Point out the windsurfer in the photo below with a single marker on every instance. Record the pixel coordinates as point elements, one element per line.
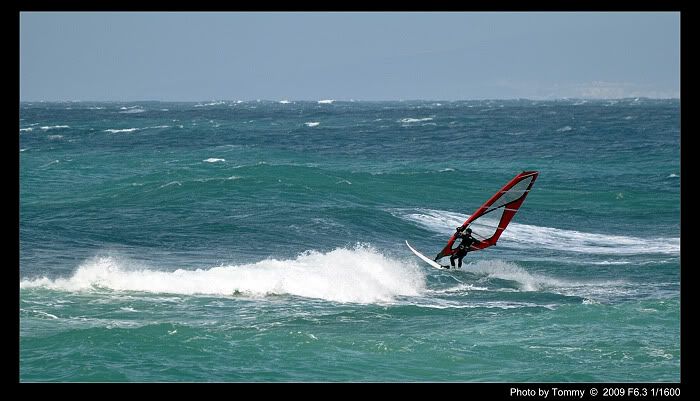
<point>465,246</point>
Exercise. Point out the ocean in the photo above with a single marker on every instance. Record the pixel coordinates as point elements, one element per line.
<point>256,241</point>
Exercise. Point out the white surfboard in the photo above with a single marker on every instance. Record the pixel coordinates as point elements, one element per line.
<point>425,258</point>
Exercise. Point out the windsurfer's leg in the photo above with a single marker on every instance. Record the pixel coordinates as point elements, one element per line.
<point>461,256</point>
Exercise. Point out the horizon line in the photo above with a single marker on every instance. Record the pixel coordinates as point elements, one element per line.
<point>345,100</point>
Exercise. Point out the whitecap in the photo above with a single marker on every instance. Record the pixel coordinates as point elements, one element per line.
<point>48,127</point>
<point>115,131</point>
<point>414,120</point>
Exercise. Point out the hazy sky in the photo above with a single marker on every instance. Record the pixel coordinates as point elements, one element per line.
<point>361,56</point>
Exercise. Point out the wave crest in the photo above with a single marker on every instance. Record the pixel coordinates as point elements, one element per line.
<point>360,275</point>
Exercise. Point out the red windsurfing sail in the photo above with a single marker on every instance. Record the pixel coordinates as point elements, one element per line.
<point>489,221</point>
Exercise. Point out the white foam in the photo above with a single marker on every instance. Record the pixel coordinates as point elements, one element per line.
<point>564,129</point>
<point>510,271</point>
<point>178,183</point>
<point>611,262</point>
<point>213,160</point>
<point>214,103</point>
<point>445,304</point>
<point>54,137</point>
<point>26,129</point>
<point>657,352</point>
<point>285,101</point>
<point>115,131</point>
<point>414,120</point>
<point>227,148</point>
<point>210,179</point>
<point>312,124</point>
<point>531,236</point>
<point>589,290</point>
<point>360,275</point>
<point>50,316</point>
<point>459,289</point>
<point>672,175</point>
<point>49,163</point>
<point>326,101</point>
<point>48,127</point>
<point>132,110</point>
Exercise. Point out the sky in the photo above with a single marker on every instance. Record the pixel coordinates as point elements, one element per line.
<point>120,56</point>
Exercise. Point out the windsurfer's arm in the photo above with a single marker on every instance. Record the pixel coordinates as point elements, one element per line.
<point>474,242</point>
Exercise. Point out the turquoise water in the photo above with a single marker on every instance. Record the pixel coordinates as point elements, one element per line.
<point>264,241</point>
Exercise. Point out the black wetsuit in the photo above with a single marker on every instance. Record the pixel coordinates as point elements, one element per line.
<point>464,247</point>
